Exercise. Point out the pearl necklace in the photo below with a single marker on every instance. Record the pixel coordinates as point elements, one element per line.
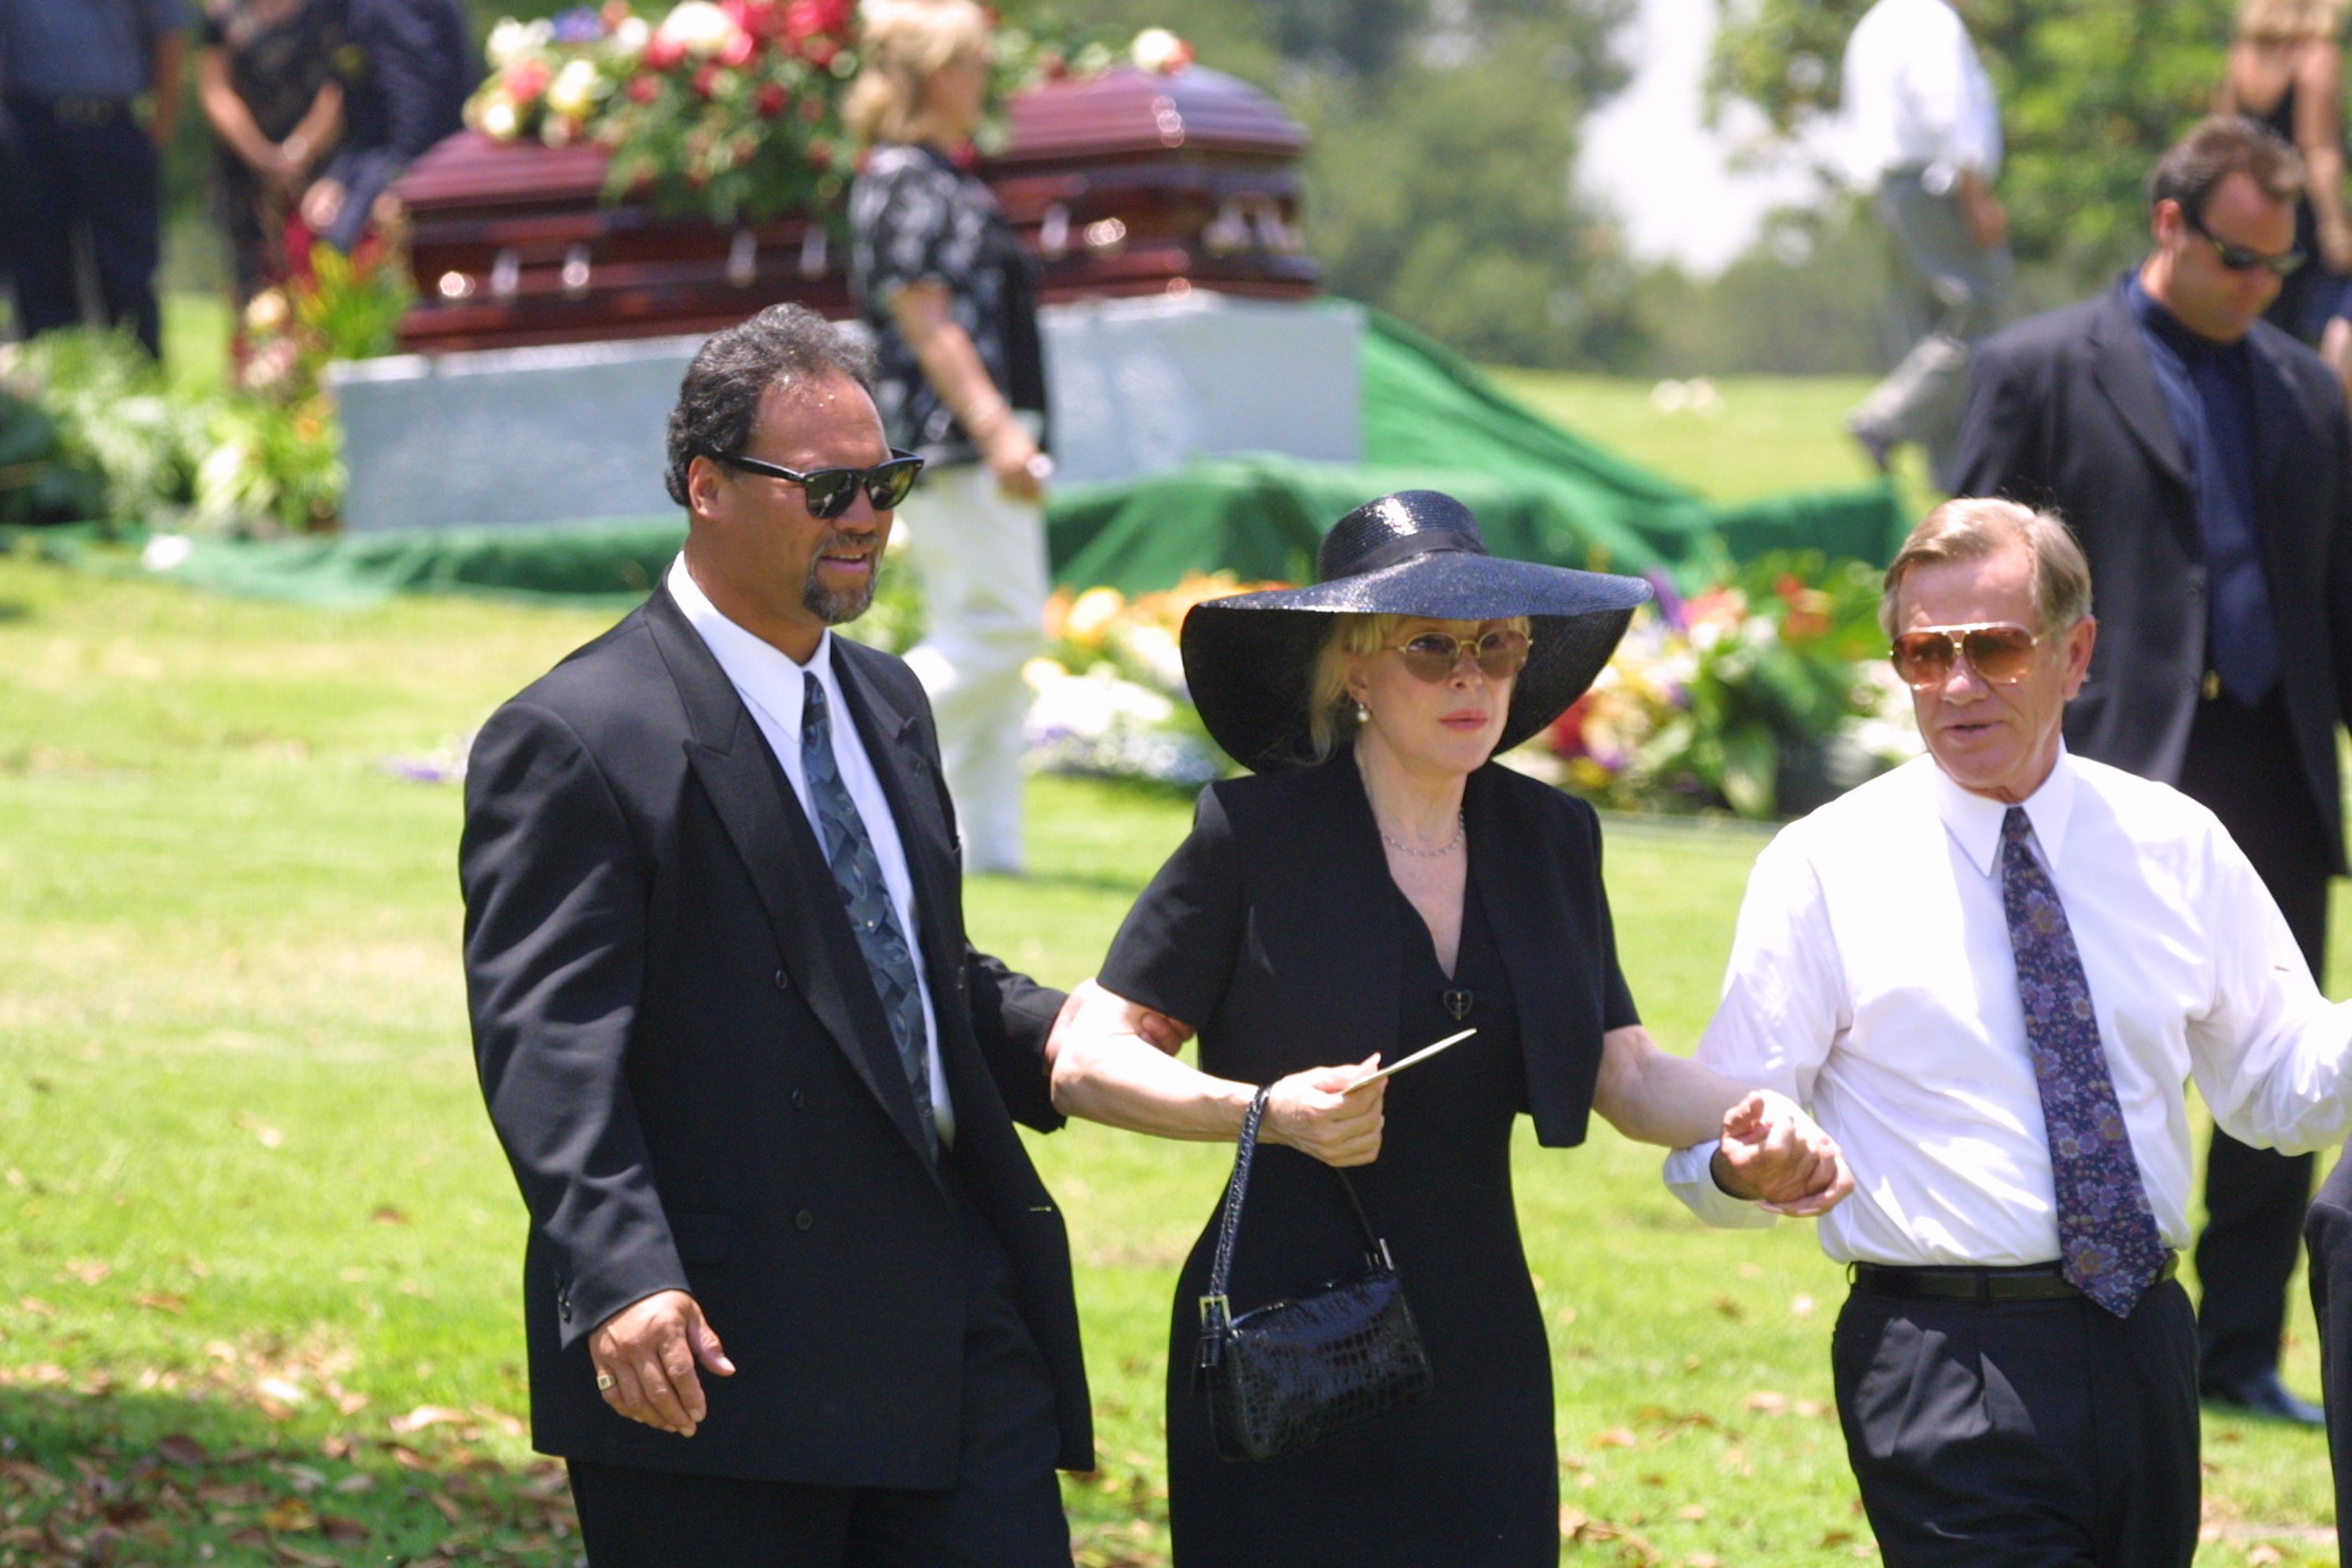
<point>1448,847</point>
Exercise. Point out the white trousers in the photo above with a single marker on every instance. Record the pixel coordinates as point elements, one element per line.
<point>981,558</point>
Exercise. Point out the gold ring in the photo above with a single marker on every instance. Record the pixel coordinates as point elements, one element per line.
<point>604,1381</point>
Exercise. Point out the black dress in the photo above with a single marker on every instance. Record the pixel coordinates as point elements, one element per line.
<point>1468,1478</point>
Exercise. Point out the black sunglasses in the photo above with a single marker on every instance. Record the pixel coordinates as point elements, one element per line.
<point>831,492</point>
<point>2237,257</point>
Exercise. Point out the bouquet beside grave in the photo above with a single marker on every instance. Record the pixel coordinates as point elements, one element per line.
<point>1764,697</point>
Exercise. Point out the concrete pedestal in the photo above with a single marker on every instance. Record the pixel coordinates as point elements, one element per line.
<point>578,432</point>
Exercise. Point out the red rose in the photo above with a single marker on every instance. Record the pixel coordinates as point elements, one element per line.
<point>643,89</point>
<point>706,80</point>
<point>1055,68</point>
<point>527,81</point>
<point>662,52</point>
<point>738,50</point>
<point>820,152</point>
<point>773,100</point>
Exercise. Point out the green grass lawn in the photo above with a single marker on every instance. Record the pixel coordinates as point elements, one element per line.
<point>251,1202</point>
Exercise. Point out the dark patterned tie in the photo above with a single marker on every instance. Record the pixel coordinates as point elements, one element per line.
<point>2108,1248</point>
<point>858,872</point>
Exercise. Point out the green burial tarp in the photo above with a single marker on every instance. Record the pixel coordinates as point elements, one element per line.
<point>1431,420</point>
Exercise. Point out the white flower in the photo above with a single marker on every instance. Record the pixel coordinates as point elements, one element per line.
<point>573,90</point>
<point>698,27</point>
<point>1158,49</point>
<point>629,37</point>
<point>165,551</point>
<point>499,120</point>
<point>508,39</point>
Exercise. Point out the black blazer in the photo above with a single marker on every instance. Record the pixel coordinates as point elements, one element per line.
<point>1274,931</point>
<point>696,1086</point>
<point>2065,411</point>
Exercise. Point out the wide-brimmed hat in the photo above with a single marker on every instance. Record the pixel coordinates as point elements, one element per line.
<point>1250,658</point>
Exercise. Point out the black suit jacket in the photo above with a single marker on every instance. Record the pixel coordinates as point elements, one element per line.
<point>2065,412</point>
<point>685,1060</point>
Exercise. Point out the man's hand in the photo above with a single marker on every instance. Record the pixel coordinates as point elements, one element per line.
<point>1987,219</point>
<point>648,1349</point>
<point>1089,1006</point>
<point>1773,1152</point>
<point>1314,1113</point>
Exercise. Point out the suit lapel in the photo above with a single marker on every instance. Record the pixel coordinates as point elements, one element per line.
<point>763,819</point>
<point>2120,368</point>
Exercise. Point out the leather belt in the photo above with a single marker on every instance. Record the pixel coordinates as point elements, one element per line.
<point>2034,1282</point>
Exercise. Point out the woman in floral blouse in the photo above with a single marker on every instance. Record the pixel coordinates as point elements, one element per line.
<point>952,300</point>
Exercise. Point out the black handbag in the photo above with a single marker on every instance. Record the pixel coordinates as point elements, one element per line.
<point>1288,1374</point>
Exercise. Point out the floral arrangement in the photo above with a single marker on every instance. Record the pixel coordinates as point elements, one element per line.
<point>1764,696</point>
<point>1108,694</point>
<point>731,108</point>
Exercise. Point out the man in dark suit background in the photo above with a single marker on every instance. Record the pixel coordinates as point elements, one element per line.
<point>2202,457</point>
<point>751,1078</point>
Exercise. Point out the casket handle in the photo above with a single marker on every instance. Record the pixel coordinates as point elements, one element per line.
<point>812,251</point>
<point>743,259</point>
<point>506,274</point>
<point>576,272</point>
<point>1054,233</point>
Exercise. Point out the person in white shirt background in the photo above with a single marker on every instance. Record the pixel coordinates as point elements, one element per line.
<point>1987,975</point>
<point>1920,125</point>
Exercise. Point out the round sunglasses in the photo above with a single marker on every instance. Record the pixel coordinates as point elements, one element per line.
<point>1435,655</point>
<point>829,492</point>
<point>2001,652</point>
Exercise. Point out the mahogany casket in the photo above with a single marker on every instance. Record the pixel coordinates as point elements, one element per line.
<point>1122,183</point>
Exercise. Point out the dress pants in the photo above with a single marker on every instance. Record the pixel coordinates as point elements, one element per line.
<point>2027,1434</point>
<point>1947,294</point>
<point>1004,1510</point>
<point>981,557</point>
<point>83,164</point>
<point>2242,764</point>
<point>2329,1232</point>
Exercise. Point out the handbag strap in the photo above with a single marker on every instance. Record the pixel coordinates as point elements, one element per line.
<point>1216,1311</point>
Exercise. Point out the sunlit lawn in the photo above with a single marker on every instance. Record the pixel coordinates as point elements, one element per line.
<point>251,1199</point>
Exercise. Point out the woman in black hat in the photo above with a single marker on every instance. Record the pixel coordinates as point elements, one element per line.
<point>1378,886</point>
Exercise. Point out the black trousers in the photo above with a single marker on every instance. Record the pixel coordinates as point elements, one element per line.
<point>1004,1510</point>
<point>2028,1434</point>
<point>87,166</point>
<point>2329,1232</point>
<point>2242,764</point>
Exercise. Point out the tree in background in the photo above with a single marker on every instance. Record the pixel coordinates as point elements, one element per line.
<point>2090,93</point>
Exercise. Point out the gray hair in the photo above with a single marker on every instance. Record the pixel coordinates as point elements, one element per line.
<point>1972,528</point>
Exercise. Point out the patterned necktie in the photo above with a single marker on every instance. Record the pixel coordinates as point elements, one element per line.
<point>858,872</point>
<point>2108,1243</point>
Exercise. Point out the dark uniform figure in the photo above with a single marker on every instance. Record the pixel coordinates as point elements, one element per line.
<point>81,161</point>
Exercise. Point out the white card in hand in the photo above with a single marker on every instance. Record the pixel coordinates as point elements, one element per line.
<point>1422,1055</point>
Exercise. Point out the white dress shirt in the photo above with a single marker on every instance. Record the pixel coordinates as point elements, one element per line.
<point>1916,97</point>
<point>1873,982</point>
<point>770,685</point>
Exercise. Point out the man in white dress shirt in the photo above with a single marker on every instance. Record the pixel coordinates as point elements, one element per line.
<point>1987,975</point>
<point>1920,125</point>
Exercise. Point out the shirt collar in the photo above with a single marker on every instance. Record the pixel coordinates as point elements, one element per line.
<point>764,674</point>
<point>1974,820</point>
<point>2155,317</point>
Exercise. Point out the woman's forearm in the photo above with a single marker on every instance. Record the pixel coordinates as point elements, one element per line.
<point>231,120</point>
<point>1653,1095</point>
<point>1118,1078</point>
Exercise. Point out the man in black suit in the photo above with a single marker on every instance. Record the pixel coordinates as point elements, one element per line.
<point>751,1077</point>
<point>2202,457</point>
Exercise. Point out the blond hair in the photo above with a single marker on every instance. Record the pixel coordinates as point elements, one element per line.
<point>1971,528</point>
<point>2290,21</point>
<point>901,43</point>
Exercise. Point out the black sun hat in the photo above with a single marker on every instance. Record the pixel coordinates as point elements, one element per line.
<point>1250,659</point>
